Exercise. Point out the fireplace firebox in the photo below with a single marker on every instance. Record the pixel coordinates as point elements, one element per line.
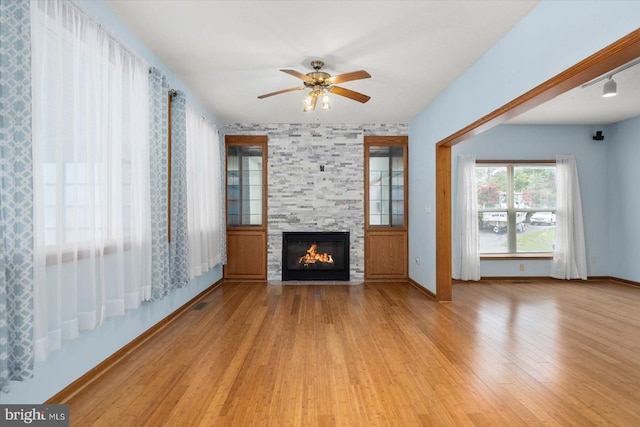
<point>315,256</point>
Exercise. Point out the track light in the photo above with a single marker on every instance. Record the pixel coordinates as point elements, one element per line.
<point>610,88</point>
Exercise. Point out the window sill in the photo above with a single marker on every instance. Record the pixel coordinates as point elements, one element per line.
<point>73,252</point>
<point>503,257</point>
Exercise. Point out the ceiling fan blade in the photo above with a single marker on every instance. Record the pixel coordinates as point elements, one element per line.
<point>355,75</point>
<point>299,75</point>
<point>356,96</point>
<point>281,91</point>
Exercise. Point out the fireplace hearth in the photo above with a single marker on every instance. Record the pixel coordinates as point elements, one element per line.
<point>315,256</point>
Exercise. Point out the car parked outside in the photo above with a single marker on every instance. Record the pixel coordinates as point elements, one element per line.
<point>543,218</point>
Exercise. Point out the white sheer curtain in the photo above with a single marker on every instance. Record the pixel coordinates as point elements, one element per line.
<point>569,256</point>
<point>91,175</point>
<point>466,254</point>
<point>204,194</point>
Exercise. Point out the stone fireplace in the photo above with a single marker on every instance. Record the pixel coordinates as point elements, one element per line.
<point>315,182</point>
<point>315,256</point>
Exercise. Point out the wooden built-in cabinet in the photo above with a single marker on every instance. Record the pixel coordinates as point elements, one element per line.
<point>386,208</point>
<point>246,255</point>
<point>386,254</point>
<point>246,207</point>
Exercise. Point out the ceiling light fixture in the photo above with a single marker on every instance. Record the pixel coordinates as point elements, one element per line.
<point>326,102</point>
<point>610,88</point>
<point>321,84</point>
<point>311,100</point>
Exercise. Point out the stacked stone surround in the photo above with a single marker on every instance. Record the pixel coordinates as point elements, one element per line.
<point>301,197</point>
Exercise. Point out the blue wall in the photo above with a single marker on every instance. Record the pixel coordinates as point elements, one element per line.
<point>550,39</point>
<point>90,348</point>
<point>623,144</point>
<point>544,142</point>
<point>553,37</point>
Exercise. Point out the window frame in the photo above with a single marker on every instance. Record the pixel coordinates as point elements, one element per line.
<point>511,210</point>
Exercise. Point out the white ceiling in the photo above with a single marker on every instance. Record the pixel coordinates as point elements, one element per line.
<point>229,52</point>
<point>586,106</point>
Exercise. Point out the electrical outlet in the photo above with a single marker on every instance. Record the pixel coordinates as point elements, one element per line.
<point>418,260</point>
<point>521,267</point>
<point>594,259</point>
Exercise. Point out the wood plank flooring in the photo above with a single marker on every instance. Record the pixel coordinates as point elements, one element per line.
<point>540,353</point>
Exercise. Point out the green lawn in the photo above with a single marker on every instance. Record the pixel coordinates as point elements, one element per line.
<point>536,241</point>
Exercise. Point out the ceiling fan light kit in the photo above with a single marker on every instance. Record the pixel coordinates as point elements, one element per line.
<point>326,102</point>
<point>310,101</point>
<point>321,84</point>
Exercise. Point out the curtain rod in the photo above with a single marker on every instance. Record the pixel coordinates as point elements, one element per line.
<point>515,162</point>
<point>115,38</point>
<point>172,92</point>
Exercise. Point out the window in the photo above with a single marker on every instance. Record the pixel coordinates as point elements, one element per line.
<point>205,210</point>
<point>82,105</point>
<point>516,207</point>
<point>386,185</point>
<point>92,231</point>
<point>244,185</point>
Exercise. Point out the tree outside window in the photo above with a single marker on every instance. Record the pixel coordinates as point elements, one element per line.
<point>516,207</point>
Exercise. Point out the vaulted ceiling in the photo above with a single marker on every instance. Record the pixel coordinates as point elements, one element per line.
<point>229,52</point>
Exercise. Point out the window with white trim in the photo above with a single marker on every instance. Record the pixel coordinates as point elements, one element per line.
<point>516,207</point>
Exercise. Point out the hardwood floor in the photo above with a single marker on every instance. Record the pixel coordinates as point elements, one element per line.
<point>502,353</point>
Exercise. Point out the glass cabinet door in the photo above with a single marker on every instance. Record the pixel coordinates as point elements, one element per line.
<point>386,186</point>
<point>244,185</point>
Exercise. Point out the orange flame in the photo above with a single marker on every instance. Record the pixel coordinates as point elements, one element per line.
<point>312,257</point>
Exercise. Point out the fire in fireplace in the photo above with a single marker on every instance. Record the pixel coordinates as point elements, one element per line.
<point>315,256</point>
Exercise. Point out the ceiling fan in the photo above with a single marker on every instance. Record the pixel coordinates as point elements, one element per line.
<point>320,83</point>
